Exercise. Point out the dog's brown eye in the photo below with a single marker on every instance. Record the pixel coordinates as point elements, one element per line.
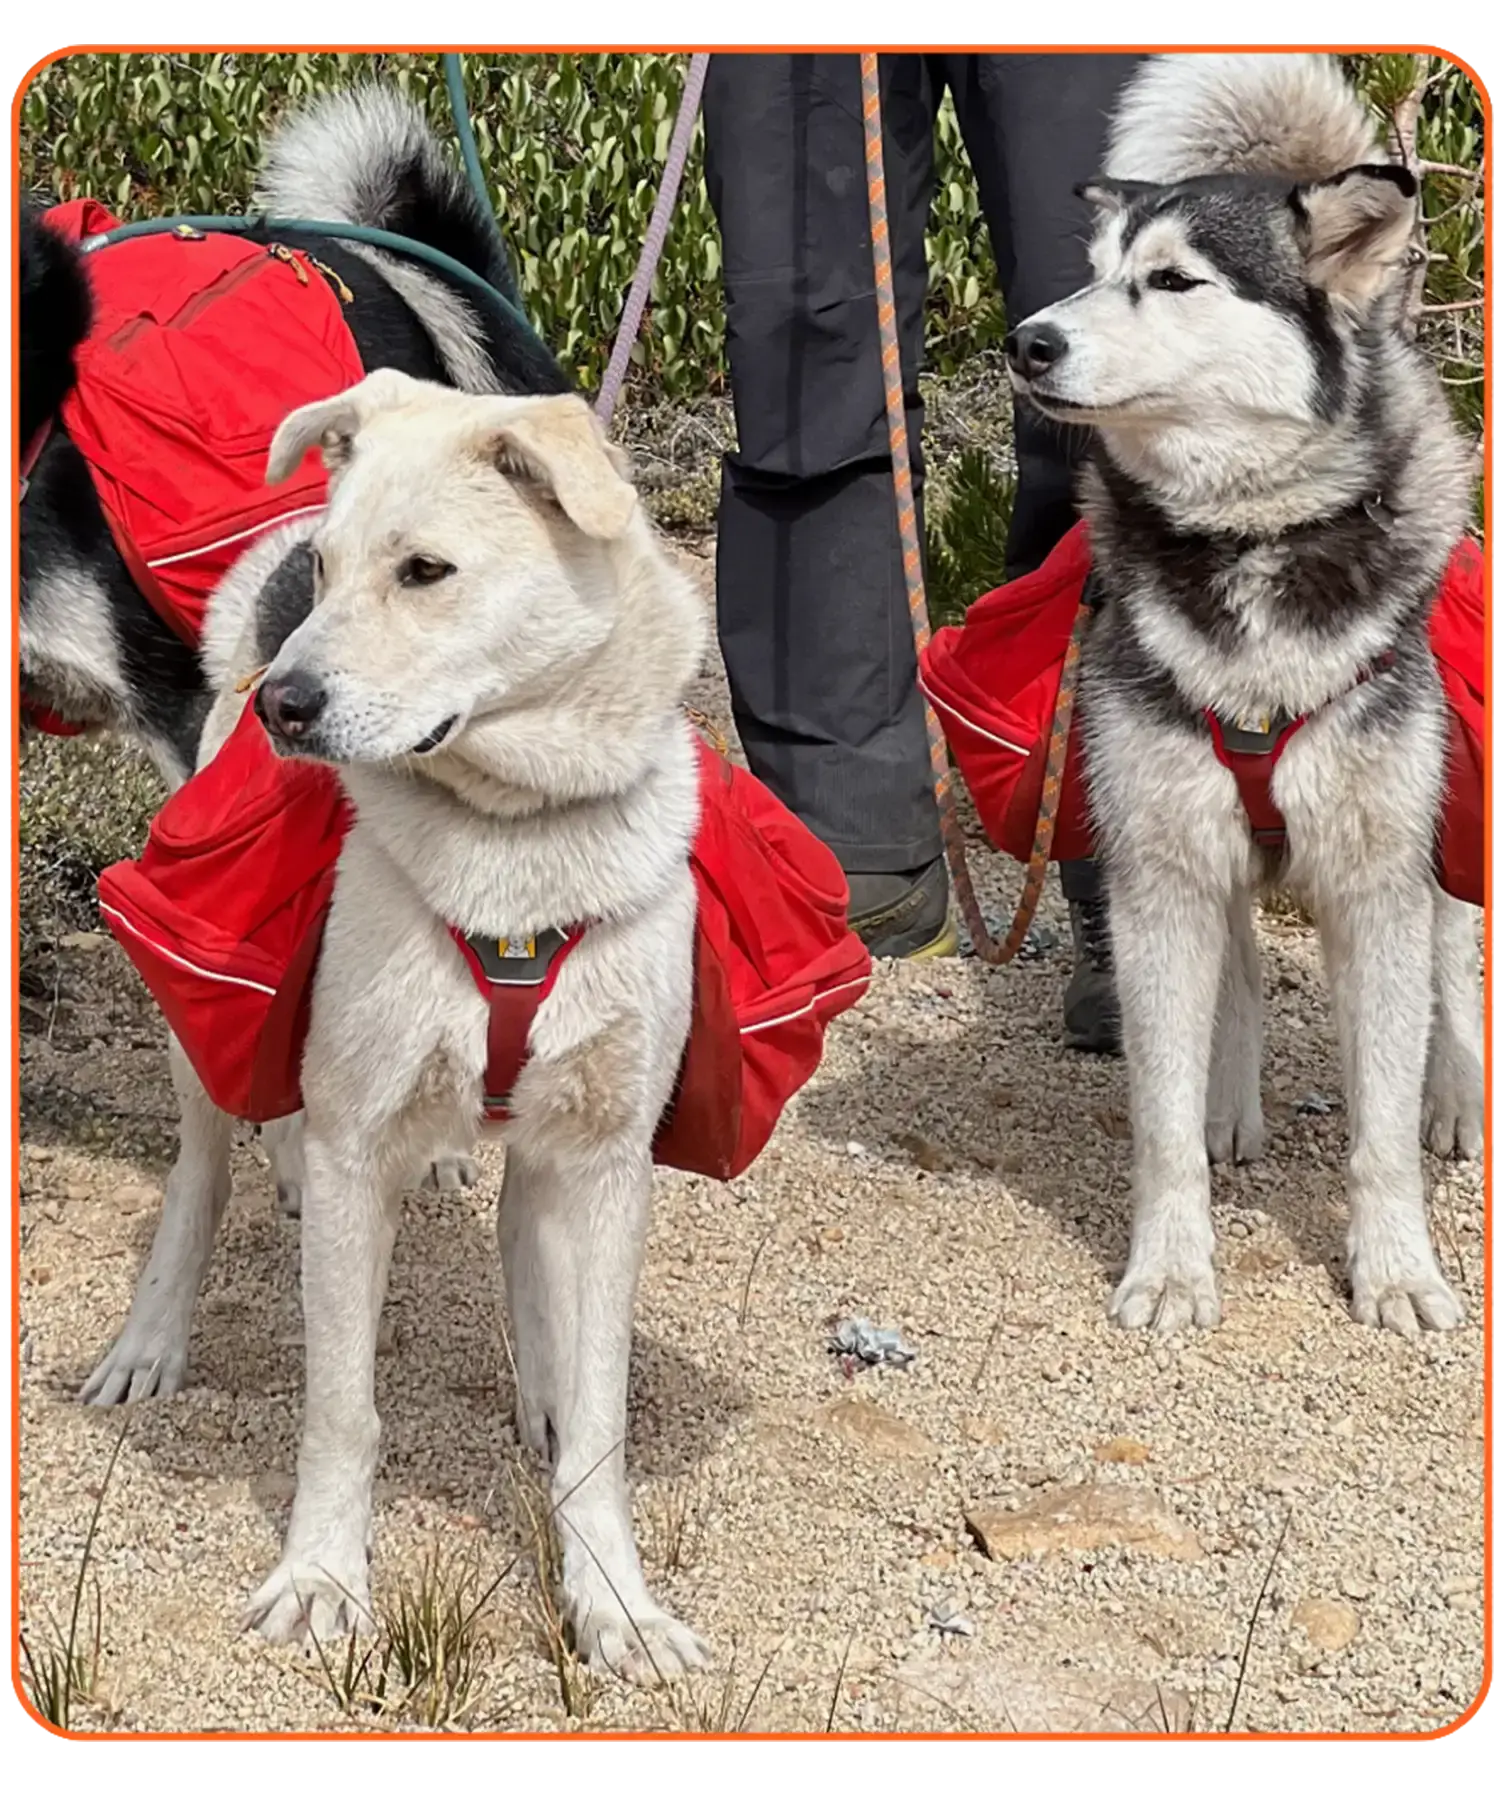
<point>1172,281</point>
<point>423,571</point>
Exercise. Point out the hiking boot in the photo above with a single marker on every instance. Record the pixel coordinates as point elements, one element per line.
<point>1091,1008</point>
<point>904,915</point>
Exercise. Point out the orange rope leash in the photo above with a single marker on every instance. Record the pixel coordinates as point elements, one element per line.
<point>985,946</point>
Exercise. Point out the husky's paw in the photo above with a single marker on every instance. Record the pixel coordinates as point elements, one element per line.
<point>289,1199</point>
<point>447,1174</point>
<point>1237,1138</point>
<point>1166,1297</point>
<point>1400,1301</point>
<point>321,1598</point>
<point>149,1358</point>
<point>1453,1118</point>
<point>645,1648</point>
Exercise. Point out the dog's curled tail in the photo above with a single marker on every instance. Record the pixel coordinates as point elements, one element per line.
<point>1269,114</point>
<point>366,156</point>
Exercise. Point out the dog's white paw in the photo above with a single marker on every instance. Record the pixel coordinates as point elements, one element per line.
<point>289,1198</point>
<point>318,1597</point>
<point>1239,1138</point>
<point>447,1174</point>
<point>147,1359</point>
<point>646,1648</point>
<point>1402,1301</point>
<point>1166,1296</point>
<point>1453,1118</point>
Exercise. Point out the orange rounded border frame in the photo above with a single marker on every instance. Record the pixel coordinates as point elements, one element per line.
<point>1475,1725</point>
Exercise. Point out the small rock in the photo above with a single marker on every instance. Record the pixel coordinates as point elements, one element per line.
<point>1088,1516</point>
<point>1356,1585</point>
<point>83,940</point>
<point>1002,1095</point>
<point>1122,1450</point>
<point>1055,1368</point>
<point>854,1149</point>
<point>1317,1106</point>
<point>1239,1228</point>
<point>873,1428</point>
<point>983,1431</point>
<point>1458,1584</point>
<point>1284,1481</point>
<point>134,1197</point>
<point>1329,1625</point>
<point>990,1691</point>
<point>1112,1121</point>
<point>1345,1427</point>
<point>1465,1603</point>
<point>78,1190</point>
<point>924,1153</point>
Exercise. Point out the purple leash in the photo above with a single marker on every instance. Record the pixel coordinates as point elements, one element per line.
<point>656,237</point>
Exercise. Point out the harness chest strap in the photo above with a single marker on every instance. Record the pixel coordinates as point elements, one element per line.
<point>1250,750</point>
<point>514,975</point>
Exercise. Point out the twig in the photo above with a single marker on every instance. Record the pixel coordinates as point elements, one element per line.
<point>1453,306</point>
<point>838,1686</point>
<point>1260,1599</point>
<point>750,1273</point>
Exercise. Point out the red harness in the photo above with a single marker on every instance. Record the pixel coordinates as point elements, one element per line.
<point>515,976</point>
<point>200,346</point>
<point>1251,753</point>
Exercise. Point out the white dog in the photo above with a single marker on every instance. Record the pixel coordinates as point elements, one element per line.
<point>495,662</point>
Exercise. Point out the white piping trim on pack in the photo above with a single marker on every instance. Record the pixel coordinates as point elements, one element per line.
<point>181,961</point>
<point>297,512</point>
<point>802,1011</point>
<point>954,713</point>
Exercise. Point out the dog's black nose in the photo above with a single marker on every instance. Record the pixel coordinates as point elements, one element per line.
<point>290,704</point>
<point>1033,349</point>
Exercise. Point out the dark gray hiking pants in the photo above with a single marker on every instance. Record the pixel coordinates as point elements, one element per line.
<point>812,605</point>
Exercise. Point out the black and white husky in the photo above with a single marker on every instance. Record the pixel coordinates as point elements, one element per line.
<point>91,647</point>
<point>1275,493</point>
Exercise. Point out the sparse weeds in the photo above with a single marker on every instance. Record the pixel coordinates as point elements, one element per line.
<point>677,1516</point>
<point>59,1670</point>
<point>426,1659</point>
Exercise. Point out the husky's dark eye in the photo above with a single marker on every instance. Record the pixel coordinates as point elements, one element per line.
<point>1172,281</point>
<point>423,571</point>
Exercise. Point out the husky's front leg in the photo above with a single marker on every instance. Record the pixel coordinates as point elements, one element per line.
<point>1453,1101</point>
<point>447,1173</point>
<point>1169,941</point>
<point>573,1235</point>
<point>349,1221</point>
<point>1377,941</point>
<point>150,1354</point>
<point>1236,1125</point>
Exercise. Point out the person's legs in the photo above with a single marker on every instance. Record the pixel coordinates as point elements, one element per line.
<point>1034,127</point>
<point>813,618</point>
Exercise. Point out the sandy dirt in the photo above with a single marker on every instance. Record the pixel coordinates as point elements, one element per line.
<point>952,1171</point>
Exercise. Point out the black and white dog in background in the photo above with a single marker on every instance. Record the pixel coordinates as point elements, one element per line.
<point>1275,494</point>
<point>92,649</point>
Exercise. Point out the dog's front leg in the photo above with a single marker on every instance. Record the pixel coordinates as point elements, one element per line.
<point>573,1242</point>
<point>150,1354</point>
<point>349,1221</point>
<point>1169,942</point>
<point>1236,1124</point>
<point>1453,1102</point>
<point>1377,942</point>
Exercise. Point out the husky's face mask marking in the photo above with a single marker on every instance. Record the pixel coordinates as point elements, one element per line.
<point>1220,300</point>
<point>460,567</point>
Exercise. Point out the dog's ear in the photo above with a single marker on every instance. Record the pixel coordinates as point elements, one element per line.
<point>1110,198</point>
<point>335,423</point>
<point>557,443</point>
<point>1356,230</point>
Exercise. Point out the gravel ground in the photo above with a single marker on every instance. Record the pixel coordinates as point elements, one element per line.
<point>952,1171</point>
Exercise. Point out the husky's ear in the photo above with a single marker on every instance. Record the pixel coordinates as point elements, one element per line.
<point>1110,198</point>
<point>334,423</point>
<point>557,443</point>
<point>1356,230</point>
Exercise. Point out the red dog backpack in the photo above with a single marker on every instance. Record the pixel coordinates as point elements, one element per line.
<point>201,344</point>
<point>993,682</point>
<point>223,918</point>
